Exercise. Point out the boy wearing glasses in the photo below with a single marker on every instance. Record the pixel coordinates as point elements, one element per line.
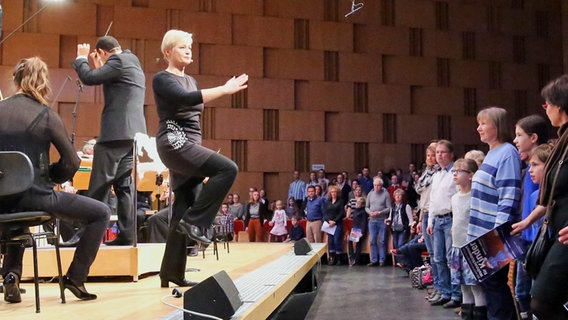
<point>473,297</point>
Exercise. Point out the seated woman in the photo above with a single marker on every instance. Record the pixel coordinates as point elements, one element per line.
<point>30,126</point>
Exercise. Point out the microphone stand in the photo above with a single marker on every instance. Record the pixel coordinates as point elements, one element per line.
<point>74,113</point>
<point>159,181</point>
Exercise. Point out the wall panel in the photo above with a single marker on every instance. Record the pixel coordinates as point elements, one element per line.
<point>207,27</point>
<point>327,80</point>
<point>23,45</point>
<point>389,98</point>
<point>409,70</point>
<point>128,20</point>
<point>335,156</point>
<point>270,156</point>
<point>263,32</point>
<point>301,126</point>
<point>293,64</point>
<point>271,93</point>
<point>295,9</point>
<point>331,36</point>
<point>238,124</point>
<point>415,13</point>
<point>68,18</point>
<point>230,60</point>
<point>325,96</point>
<point>348,127</point>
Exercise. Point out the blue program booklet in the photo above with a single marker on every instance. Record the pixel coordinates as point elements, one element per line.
<point>492,251</point>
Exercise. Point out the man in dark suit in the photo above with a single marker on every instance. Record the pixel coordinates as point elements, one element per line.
<point>123,83</point>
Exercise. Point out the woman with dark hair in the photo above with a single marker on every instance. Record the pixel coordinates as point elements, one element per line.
<point>30,126</point>
<point>495,199</point>
<point>180,105</point>
<point>530,132</point>
<point>549,291</point>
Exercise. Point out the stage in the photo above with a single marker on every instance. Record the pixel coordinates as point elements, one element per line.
<point>121,298</point>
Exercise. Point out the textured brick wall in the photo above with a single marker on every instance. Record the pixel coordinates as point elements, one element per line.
<point>368,89</point>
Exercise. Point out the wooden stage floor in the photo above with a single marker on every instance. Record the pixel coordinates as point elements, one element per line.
<point>120,298</point>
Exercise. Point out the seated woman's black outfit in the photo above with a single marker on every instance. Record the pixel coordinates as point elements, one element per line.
<point>30,127</point>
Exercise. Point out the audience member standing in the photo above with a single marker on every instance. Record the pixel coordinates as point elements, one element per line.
<point>378,207</point>
<point>530,132</point>
<point>292,209</point>
<point>334,212</point>
<point>297,189</point>
<point>424,188</point>
<point>534,221</point>
<point>314,214</point>
<point>365,181</point>
<point>549,291</point>
<point>474,305</point>
<point>312,181</point>
<point>255,214</point>
<point>440,224</point>
<point>495,199</point>
<point>393,186</point>
<point>322,179</point>
<point>356,211</point>
<point>237,209</point>
<point>224,224</point>
<point>278,223</point>
<point>400,219</point>
<point>355,185</point>
<point>344,188</point>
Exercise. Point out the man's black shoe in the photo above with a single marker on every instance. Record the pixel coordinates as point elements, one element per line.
<point>195,233</point>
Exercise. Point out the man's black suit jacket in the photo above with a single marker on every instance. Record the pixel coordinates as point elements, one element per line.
<point>124,87</point>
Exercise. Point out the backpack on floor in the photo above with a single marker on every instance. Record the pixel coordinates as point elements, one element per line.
<point>421,277</point>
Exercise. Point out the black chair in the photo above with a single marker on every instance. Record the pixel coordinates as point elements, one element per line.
<point>17,176</point>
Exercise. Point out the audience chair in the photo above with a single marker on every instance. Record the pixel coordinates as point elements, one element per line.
<point>17,176</point>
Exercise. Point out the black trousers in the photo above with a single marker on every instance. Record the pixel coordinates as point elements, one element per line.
<point>112,166</point>
<point>197,203</point>
<point>70,207</point>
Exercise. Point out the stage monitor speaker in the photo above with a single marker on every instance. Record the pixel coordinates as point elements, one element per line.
<point>216,295</point>
<point>295,307</point>
<point>302,247</point>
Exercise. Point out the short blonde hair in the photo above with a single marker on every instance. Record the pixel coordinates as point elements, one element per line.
<point>173,37</point>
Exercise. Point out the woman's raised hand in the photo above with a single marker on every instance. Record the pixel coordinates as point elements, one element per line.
<point>236,84</point>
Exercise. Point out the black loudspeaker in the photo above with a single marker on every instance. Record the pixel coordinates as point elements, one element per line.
<point>302,247</point>
<point>216,296</point>
<point>295,307</point>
